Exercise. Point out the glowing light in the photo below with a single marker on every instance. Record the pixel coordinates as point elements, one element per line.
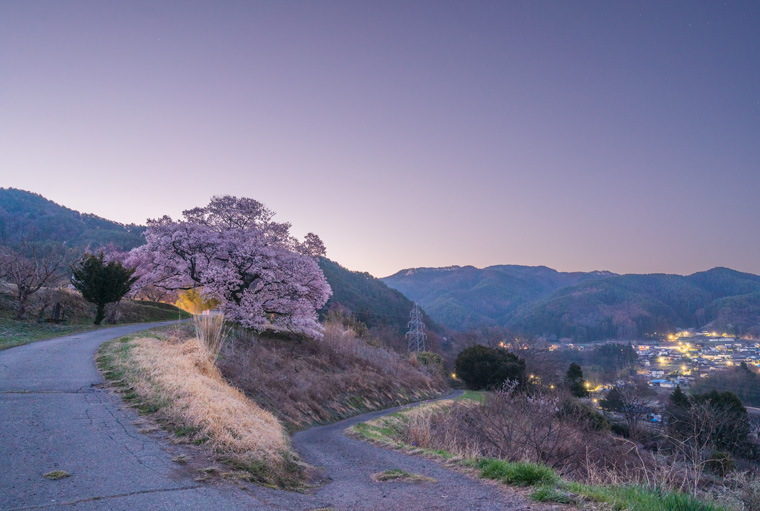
<point>683,368</point>
<point>454,375</point>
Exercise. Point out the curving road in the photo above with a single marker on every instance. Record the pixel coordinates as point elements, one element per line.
<point>54,415</point>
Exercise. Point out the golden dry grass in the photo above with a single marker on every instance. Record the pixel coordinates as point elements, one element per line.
<point>181,382</point>
<point>210,330</point>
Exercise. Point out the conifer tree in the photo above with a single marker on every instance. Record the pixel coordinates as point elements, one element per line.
<point>575,382</point>
<point>100,282</point>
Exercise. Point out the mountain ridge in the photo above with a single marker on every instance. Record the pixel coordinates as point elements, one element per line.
<point>585,306</point>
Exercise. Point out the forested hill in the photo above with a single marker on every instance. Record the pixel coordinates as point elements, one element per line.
<point>596,306</point>
<point>29,215</point>
<point>368,299</point>
<point>465,297</point>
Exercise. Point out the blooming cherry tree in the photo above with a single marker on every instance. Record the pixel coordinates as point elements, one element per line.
<point>235,253</point>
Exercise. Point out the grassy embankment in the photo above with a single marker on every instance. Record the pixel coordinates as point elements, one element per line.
<point>172,378</point>
<point>305,382</point>
<point>541,482</point>
<point>79,316</point>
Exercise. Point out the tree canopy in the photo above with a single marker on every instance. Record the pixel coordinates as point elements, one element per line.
<point>101,282</point>
<point>575,382</point>
<point>481,367</point>
<point>235,253</point>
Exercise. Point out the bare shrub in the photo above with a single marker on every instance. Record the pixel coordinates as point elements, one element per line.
<point>740,491</point>
<point>546,427</point>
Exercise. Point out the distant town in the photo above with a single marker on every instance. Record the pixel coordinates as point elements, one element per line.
<point>681,358</point>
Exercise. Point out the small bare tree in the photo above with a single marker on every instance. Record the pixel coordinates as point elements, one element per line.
<point>538,427</point>
<point>30,266</point>
<point>694,440</point>
<point>631,401</point>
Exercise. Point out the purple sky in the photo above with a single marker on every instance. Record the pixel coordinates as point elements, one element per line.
<point>578,135</point>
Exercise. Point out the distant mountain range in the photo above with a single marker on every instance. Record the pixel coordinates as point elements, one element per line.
<point>30,215</point>
<point>584,306</point>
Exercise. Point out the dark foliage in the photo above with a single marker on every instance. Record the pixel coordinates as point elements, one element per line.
<point>742,380</point>
<point>100,282</point>
<point>23,212</point>
<point>722,418</point>
<point>465,298</point>
<point>575,382</point>
<point>584,306</point>
<point>367,299</point>
<point>481,367</point>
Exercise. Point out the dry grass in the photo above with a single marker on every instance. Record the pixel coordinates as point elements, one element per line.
<point>210,330</point>
<point>179,382</point>
<point>305,381</point>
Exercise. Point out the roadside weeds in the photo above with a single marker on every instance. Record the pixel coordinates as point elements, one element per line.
<point>538,482</point>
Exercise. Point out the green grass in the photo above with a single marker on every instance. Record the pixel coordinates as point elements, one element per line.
<point>636,498</point>
<point>16,333</point>
<point>55,475</point>
<point>553,494</point>
<point>478,396</point>
<point>519,473</point>
<point>401,476</point>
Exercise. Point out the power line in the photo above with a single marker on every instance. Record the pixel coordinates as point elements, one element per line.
<point>416,335</point>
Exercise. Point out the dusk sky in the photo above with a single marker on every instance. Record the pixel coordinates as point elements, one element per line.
<point>621,136</point>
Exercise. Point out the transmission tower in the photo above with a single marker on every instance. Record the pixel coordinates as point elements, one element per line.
<point>416,335</point>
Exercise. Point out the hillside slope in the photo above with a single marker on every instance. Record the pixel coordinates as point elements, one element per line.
<point>368,299</point>
<point>467,297</point>
<point>585,306</point>
<point>630,306</point>
<point>29,214</point>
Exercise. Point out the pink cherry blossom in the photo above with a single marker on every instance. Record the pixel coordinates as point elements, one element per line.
<point>234,252</point>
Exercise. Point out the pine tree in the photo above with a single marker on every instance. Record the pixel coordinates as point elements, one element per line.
<point>100,282</point>
<point>575,382</point>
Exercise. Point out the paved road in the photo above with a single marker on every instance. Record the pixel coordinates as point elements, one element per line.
<point>54,416</point>
<point>349,463</point>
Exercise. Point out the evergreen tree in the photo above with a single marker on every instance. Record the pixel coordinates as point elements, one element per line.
<point>575,382</point>
<point>678,398</point>
<point>100,282</point>
<point>481,367</point>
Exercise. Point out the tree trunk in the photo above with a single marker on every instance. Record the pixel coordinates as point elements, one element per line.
<point>100,314</point>
<point>21,311</point>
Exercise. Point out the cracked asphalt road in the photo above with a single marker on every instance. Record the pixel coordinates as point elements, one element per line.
<point>55,416</point>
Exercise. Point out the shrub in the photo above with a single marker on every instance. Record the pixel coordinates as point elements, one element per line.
<point>620,428</point>
<point>720,463</point>
<point>587,414</point>
<point>481,367</point>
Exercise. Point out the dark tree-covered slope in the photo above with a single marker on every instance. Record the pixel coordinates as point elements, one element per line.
<point>585,306</point>
<point>467,297</point>
<point>369,299</point>
<point>26,214</point>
